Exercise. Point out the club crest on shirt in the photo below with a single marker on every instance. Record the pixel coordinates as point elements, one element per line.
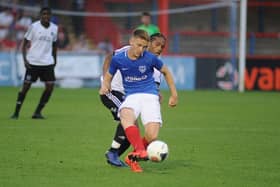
<point>142,69</point>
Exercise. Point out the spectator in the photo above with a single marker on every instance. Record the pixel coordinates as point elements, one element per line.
<point>6,20</point>
<point>105,46</point>
<point>82,45</point>
<point>21,25</point>
<point>146,24</point>
<point>63,39</point>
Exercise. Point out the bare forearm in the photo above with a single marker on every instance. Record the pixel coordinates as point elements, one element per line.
<point>24,49</point>
<point>107,80</point>
<point>106,84</point>
<point>54,51</point>
<point>170,82</point>
<point>173,99</point>
<point>24,53</point>
<point>106,64</point>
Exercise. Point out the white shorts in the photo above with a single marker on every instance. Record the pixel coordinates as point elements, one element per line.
<point>146,105</point>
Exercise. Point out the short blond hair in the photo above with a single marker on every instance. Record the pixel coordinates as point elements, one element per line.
<point>138,33</point>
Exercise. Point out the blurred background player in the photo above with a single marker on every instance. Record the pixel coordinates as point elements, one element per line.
<point>137,66</point>
<point>39,60</point>
<point>116,96</point>
<point>147,25</point>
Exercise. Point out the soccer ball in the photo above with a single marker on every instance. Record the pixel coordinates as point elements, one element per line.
<point>157,151</point>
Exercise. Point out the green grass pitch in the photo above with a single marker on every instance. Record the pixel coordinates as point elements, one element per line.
<point>215,139</point>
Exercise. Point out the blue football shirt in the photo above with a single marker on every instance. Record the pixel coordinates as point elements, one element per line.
<point>137,74</point>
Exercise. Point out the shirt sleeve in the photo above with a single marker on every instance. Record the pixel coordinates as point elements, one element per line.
<point>157,76</point>
<point>157,63</point>
<point>28,35</point>
<point>113,66</point>
<point>55,34</point>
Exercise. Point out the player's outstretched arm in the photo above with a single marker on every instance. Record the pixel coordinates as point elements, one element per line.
<point>105,87</point>
<point>106,63</point>
<point>173,99</point>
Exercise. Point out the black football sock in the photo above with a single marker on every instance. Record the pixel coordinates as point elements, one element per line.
<point>124,146</point>
<point>43,101</point>
<point>119,138</point>
<point>20,99</point>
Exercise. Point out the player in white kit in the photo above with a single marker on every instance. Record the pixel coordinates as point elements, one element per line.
<point>39,55</point>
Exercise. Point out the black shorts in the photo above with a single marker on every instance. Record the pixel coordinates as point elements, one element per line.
<point>45,73</point>
<point>113,101</point>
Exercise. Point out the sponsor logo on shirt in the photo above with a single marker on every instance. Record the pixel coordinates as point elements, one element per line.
<point>135,79</point>
<point>45,38</point>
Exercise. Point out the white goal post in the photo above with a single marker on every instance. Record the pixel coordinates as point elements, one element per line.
<point>242,44</point>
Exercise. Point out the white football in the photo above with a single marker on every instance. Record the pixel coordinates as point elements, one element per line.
<point>157,151</point>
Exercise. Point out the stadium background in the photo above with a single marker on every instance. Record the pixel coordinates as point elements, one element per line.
<point>203,40</point>
<point>216,138</point>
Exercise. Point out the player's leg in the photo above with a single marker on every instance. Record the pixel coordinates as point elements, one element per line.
<point>20,98</point>
<point>131,130</point>
<point>125,145</point>
<point>129,111</point>
<point>112,101</point>
<point>46,75</point>
<point>119,144</point>
<point>151,133</point>
<point>133,135</point>
<point>43,100</point>
<point>30,76</point>
<point>151,118</point>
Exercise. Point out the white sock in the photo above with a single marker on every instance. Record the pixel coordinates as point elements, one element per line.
<point>115,144</point>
